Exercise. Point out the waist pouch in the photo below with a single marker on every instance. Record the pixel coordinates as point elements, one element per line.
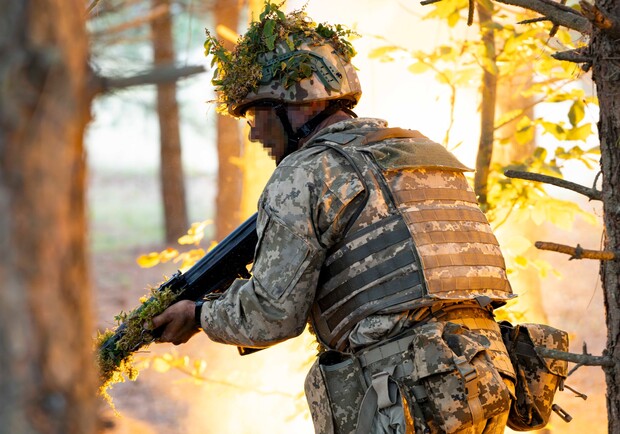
<point>538,378</point>
<point>334,390</point>
<point>454,383</point>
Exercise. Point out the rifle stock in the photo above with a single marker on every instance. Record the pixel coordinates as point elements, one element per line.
<point>212,274</point>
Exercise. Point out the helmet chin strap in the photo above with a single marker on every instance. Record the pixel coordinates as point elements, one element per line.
<point>306,129</point>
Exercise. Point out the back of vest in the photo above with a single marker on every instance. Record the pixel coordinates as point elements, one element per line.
<point>419,237</point>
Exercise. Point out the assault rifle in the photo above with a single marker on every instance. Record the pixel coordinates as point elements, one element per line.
<point>214,273</point>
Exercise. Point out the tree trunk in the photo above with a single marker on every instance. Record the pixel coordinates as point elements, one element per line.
<point>171,167</point>
<point>487,116</point>
<point>47,376</point>
<point>606,73</point>
<point>229,142</point>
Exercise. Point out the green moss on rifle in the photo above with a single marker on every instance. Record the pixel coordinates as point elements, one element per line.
<point>117,365</point>
<point>238,72</point>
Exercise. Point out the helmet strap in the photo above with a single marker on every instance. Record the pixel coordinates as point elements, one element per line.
<point>306,129</point>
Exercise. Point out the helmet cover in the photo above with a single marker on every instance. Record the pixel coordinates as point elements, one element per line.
<point>284,59</point>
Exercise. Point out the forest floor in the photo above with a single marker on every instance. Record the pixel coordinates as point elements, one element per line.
<point>263,393</point>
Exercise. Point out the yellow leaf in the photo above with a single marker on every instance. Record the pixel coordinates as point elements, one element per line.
<point>148,260</point>
<point>576,113</point>
<point>212,245</point>
<point>521,261</point>
<point>418,68</point>
<point>160,365</point>
<point>516,244</point>
<point>579,133</point>
<point>168,254</point>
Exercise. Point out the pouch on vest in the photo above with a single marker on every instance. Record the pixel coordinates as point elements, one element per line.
<point>538,378</point>
<point>454,384</point>
<point>334,389</point>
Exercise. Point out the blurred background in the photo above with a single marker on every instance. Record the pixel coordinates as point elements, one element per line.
<point>160,158</point>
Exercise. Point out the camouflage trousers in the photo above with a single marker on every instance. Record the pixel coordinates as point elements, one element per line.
<point>439,377</point>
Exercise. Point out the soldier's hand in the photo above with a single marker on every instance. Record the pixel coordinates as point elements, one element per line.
<point>178,322</point>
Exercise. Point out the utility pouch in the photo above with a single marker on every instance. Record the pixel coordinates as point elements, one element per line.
<point>454,384</point>
<point>334,389</point>
<point>538,378</point>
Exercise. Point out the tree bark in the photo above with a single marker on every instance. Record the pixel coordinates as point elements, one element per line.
<point>47,376</point>
<point>605,51</point>
<point>229,143</point>
<point>488,103</point>
<point>171,166</point>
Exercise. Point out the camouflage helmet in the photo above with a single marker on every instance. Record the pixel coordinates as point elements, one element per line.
<point>284,59</point>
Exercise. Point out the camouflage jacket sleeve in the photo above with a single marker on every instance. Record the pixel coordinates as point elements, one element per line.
<point>302,211</point>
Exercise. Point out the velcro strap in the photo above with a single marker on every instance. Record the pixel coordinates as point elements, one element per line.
<point>382,393</point>
<point>456,214</point>
<point>386,389</point>
<point>423,194</point>
<point>470,376</point>
<point>392,133</point>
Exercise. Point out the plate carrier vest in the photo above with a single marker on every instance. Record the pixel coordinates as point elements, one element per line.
<point>432,243</point>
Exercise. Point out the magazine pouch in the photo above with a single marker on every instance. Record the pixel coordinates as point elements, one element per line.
<point>538,378</point>
<point>454,384</point>
<point>334,389</point>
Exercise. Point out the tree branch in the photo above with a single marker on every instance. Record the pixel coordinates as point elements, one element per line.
<point>576,252</point>
<point>591,193</point>
<point>582,359</point>
<point>575,56</point>
<point>600,19</point>
<point>153,14</point>
<point>158,75</point>
<point>555,12</point>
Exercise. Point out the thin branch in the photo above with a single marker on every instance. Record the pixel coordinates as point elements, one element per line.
<point>533,20</point>
<point>556,27</point>
<point>576,252</point>
<point>591,193</point>
<point>92,6</point>
<point>584,359</point>
<point>555,12</point>
<point>153,14</point>
<point>155,76</point>
<point>575,56</point>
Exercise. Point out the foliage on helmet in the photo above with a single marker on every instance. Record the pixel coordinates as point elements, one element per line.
<point>239,72</point>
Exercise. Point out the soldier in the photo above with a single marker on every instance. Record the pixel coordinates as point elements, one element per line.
<point>371,235</point>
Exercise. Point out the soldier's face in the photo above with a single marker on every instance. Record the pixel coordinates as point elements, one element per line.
<point>266,128</point>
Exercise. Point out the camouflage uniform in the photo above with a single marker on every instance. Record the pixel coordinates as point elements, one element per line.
<point>443,266</point>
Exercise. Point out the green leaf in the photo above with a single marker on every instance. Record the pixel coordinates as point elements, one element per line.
<point>576,112</point>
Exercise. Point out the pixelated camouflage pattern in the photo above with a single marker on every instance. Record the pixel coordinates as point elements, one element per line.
<point>460,255</point>
<point>302,213</point>
<point>332,78</point>
<point>318,400</point>
<point>462,387</point>
<point>481,322</point>
<point>538,378</point>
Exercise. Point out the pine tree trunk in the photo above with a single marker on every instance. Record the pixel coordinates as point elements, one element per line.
<point>171,166</point>
<point>230,172</point>
<point>47,377</point>
<point>606,73</point>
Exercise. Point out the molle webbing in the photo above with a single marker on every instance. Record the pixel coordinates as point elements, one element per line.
<point>458,251</point>
<point>370,270</point>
